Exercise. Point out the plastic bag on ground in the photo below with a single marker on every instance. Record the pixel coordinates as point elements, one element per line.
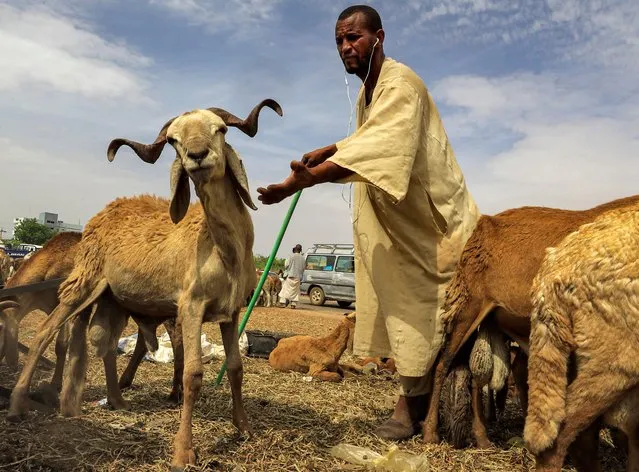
<point>164,354</point>
<point>393,461</point>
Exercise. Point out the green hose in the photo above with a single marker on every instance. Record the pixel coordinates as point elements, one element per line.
<point>260,284</point>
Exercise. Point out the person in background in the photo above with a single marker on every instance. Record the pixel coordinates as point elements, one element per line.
<point>293,272</point>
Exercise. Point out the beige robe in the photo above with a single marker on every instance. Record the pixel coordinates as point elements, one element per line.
<point>412,215</point>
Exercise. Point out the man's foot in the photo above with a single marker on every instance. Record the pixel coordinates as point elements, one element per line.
<point>293,306</point>
<point>405,421</point>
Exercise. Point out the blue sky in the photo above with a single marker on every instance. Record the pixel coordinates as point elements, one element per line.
<point>539,97</point>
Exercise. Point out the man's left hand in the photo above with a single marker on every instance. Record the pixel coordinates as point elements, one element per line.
<point>299,179</point>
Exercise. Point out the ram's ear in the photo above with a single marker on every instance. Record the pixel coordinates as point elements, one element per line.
<point>180,191</point>
<point>238,174</point>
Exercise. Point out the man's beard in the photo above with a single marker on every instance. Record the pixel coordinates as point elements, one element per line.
<point>353,67</point>
<point>360,66</point>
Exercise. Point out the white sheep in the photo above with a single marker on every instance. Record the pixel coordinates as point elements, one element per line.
<point>585,304</point>
<point>194,262</point>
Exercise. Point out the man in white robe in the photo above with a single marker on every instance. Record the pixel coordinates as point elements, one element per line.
<point>293,273</point>
<point>412,212</point>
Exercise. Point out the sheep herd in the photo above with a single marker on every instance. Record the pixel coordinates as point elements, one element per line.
<point>550,296</point>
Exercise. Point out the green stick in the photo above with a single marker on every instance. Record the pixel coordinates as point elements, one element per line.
<point>260,284</point>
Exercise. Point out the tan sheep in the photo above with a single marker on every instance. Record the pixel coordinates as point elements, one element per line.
<point>53,261</point>
<point>270,289</point>
<point>6,263</point>
<point>17,262</point>
<point>159,257</point>
<point>493,278</point>
<point>317,357</point>
<point>585,304</point>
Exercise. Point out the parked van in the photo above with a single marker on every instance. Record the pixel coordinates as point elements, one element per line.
<point>330,274</point>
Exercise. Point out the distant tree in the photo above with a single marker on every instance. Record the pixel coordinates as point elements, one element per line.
<point>11,243</point>
<point>29,231</point>
<point>260,263</point>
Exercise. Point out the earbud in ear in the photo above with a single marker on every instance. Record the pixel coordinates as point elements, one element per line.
<point>376,42</point>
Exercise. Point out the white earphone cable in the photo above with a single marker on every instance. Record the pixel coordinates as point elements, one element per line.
<point>350,121</point>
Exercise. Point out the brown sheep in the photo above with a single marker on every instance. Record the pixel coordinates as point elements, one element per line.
<point>167,257</point>
<point>494,277</point>
<point>317,357</point>
<point>270,290</point>
<point>275,287</point>
<point>55,260</point>
<point>6,263</point>
<point>17,262</point>
<point>586,304</point>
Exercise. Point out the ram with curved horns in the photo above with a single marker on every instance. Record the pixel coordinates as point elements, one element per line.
<point>193,262</point>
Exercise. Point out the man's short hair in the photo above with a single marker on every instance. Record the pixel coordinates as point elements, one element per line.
<point>373,20</point>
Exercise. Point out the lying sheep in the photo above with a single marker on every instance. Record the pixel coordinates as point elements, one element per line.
<point>317,357</point>
<point>586,304</point>
<point>493,279</point>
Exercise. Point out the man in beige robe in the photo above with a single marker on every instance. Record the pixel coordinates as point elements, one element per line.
<point>412,212</point>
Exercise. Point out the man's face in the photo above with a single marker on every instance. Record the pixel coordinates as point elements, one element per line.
<point>354,43</point>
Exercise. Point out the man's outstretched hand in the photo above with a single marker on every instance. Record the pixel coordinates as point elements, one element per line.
<point>316,157</point>
<point>300,178</point>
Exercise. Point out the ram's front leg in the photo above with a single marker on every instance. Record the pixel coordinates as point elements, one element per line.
<point>175,335</point>
<point>190,315</point>
<point>235,373</point>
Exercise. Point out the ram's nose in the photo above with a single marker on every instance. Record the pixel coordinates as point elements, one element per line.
<point>198,156</point>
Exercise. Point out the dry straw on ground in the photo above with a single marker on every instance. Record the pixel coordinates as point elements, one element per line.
<point>295,421</point>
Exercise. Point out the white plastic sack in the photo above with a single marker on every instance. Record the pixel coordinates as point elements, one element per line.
<point>164,353</point>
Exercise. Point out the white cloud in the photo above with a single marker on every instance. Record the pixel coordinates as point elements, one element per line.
<point>570,146</point>
<point>595,32</point>
<point>45,49</point>
<point>239,17</point>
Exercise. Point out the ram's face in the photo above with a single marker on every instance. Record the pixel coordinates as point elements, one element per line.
<point>198,138</point>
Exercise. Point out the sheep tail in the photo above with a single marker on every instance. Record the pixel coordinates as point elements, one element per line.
<point>99,289</point>
<point>551,343</point>
<point>457,296</point>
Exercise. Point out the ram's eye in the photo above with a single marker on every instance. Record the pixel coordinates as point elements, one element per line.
<point>170,140</point>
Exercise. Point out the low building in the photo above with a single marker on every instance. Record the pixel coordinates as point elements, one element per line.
<point>50,220</point>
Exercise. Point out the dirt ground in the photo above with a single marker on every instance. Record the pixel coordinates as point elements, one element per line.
<point>294,420</point>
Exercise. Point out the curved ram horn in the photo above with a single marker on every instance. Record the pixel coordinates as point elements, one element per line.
<point>249,125</point>
<point>147,152</point>
<point>8,304</point>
